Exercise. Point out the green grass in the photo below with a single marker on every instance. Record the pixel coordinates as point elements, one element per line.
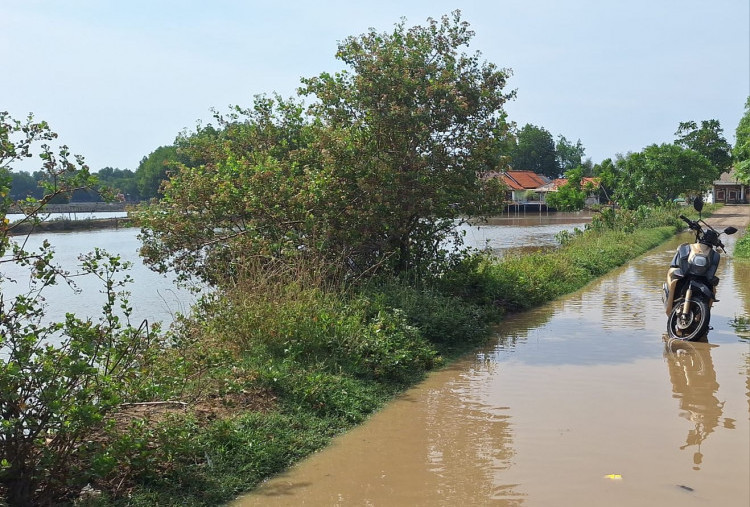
<point>742,247</point>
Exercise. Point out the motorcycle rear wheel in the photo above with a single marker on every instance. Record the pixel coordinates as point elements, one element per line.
<point>692,325</point>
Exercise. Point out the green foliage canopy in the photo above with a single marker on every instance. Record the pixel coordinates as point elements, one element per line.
<point>708,140</point>
<point>122,181</point>
<point>661,173</point>
<point>570,196</point>
<point>388,159</point>
<point>420,119</point>
<point>247,193</point>
<point>152,171</point>
<point>535,151</point>
<point>569,155</point>
<point>741,151</point>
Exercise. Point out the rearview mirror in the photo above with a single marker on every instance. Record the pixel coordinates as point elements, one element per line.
<point>698,203</point>
<point>730,230</point>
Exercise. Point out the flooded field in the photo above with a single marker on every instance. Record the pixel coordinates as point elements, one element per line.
<point>154,297</point>
<point>157,298</point>
<point>579,402</point>
<point>518,233</point>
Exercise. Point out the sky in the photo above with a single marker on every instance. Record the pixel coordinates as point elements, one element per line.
<point>116,79</point>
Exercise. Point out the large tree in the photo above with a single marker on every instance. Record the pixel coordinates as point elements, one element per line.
<point>535,151</point>
<point>411,126</point>
<point>153,170</point>
<point>246,192</point>
<point>123,181</point>
<point>741,152</point>
<point>708,140</point>
<point>661,173</point>
<point>569,155</point>
<point>607,174</point>
<point>391,157</point>
<point>24,185</point>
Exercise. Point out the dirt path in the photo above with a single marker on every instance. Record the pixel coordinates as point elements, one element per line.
<point>737,215</point>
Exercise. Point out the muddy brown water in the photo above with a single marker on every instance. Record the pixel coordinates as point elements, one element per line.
<point>579,402</point>
<point>521,233</point>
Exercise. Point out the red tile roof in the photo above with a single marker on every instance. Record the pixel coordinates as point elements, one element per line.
<point>522,180</point>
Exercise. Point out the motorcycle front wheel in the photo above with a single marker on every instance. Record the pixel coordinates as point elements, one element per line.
<point>691,325</point>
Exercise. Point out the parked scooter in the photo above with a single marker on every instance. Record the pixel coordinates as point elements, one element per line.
<point>690,289</point>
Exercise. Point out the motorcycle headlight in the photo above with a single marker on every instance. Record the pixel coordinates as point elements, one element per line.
<point>700,261</point>
<point>698,265</point>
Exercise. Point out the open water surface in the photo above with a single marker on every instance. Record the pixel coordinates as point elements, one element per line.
<point>579,402</point>
<point>518,233</point>
<point>154,297</point>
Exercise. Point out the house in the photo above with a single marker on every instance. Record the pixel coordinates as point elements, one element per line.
<point>521,185</point>
<point>552,186</point>
<point>728,190</point>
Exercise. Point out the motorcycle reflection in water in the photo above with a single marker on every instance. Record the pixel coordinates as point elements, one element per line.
<point>694,384</point>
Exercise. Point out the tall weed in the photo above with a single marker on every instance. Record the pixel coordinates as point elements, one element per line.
<point>742,247</point>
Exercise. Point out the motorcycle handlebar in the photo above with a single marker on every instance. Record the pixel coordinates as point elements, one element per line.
<point>696,227</point>
<point>688,221</point>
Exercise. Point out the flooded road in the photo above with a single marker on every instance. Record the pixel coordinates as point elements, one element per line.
<point>579,402</point>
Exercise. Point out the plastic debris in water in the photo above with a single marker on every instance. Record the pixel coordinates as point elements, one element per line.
<point>614,477</point>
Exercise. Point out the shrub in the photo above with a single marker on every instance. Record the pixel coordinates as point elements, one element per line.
<point>449,321</point>
<point>742,247</point>
<point>60,380</point>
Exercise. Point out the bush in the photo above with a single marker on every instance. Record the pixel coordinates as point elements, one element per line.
<point>448,321</point>
<point>742,247</point>
<point>60,380</point>
<point>328,331</point>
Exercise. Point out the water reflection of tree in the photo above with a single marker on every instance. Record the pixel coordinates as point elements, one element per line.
<point>515,328</point>
<point>741,326</point>
<point>691,371</point>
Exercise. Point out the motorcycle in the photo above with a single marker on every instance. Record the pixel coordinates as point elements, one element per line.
<point>690,289</point>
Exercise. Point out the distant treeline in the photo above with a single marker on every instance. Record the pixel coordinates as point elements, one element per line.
<point>130,186</point>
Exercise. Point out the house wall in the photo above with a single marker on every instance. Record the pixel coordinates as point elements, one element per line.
<point>517,196</point>
<point>732,194</point>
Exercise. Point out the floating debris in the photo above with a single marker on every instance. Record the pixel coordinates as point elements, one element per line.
<point>614,477</point>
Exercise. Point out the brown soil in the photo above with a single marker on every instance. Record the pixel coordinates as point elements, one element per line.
<point>149,415</point>
<point>206,410</point>
<point>737,215</point>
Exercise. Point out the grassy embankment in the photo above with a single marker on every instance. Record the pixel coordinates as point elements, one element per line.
<point>280,365</point>
<point>741,323</point>
<point>742,247</point>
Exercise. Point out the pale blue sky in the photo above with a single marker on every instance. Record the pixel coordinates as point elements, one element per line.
<point>118,79</point>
